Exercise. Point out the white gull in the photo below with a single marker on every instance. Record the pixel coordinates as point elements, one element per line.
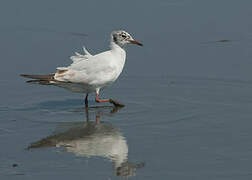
<point>91,73</point>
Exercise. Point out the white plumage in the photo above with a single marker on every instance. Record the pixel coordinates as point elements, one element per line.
<point>94,72</point>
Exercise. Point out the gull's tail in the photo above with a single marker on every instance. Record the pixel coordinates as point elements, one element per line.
<point>41,79</point>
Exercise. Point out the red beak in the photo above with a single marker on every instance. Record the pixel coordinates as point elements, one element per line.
<point>135,42</point>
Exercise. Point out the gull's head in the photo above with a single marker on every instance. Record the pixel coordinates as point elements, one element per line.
<point>121,38</point>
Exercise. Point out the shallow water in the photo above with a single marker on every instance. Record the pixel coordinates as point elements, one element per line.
<point>187,92</point>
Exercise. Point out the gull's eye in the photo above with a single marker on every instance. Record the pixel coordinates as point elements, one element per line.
<point>124,36</point>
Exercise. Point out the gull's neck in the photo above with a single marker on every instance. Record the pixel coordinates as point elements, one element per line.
<point>118,50</point>
<point>115,46</point>
<point>120,56</point>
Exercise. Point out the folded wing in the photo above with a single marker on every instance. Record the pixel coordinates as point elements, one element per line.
<point>87,69</point>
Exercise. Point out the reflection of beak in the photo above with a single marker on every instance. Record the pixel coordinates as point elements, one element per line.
<point>135,42</point>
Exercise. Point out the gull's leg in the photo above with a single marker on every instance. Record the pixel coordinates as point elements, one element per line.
<point>97,99</point>
<point>86,100</point>
<point>87,114</point>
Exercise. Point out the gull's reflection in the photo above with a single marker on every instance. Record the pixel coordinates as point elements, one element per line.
<point>94,138</point>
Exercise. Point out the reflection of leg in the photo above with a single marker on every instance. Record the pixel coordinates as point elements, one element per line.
<point>115,109</point>
<point>86,100</point>
<point>97,118</point>
<point>100,111</point>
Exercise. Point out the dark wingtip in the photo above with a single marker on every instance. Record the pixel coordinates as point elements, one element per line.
<point>22,75</point>
<point>26,75</point>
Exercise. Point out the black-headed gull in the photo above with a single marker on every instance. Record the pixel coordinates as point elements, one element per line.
<point>91,73</point>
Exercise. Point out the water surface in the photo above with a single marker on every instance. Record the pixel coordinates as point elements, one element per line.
<point>187,91</point>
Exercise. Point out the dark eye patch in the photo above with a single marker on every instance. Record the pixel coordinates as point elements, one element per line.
<point>115,38</point>
<point>124,36</point>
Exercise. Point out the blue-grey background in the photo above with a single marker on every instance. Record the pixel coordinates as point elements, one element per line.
<point>187,91</point>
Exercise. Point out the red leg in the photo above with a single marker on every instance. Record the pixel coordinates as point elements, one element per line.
<point>107,100</point>
<point>100,100</point>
